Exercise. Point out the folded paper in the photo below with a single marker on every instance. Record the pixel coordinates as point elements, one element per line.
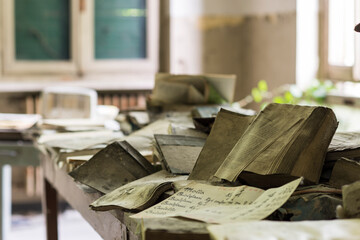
<point>138,194</point>
<point>214,204</point>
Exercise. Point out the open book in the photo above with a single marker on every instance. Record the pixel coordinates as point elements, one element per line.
<point>282,140</point>
<point>139,194</point>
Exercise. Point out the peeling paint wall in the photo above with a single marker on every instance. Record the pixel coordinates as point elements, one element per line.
<point>253,39</point>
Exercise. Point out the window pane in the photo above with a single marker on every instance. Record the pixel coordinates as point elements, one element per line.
<point>341,32</point>
<point>42,30</point>
<point>120,29</point>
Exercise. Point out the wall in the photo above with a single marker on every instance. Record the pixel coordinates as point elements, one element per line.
<point>253,39</point>
<point>1,39</point>
<point>307,41</point>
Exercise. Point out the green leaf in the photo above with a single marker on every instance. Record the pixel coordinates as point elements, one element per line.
<point>262,85</point>
<point>278,99</point>
<point>263,105</point>
<point>256,94</point>
<point>289,98</point>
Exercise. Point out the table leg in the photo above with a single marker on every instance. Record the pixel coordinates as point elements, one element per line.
<point>5,201</point>
<point>51,211</point>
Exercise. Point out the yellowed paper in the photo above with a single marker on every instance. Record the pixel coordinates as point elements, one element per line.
<point>82,158</point>
<point>142,140</point>
<point>344,141</point>
<point>344,144</point>
<point>351,199</point>
<point>216,204</point>
<point>179,129</point>
<point>194,96</point>
<point>18,121</point>
<point>170,92</point>
<point>137,194</point>
<point>72,122</point>
<point>270,230</point>
<point>79,140</point>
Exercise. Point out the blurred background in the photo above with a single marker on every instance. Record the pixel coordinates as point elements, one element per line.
<point>117,46</point>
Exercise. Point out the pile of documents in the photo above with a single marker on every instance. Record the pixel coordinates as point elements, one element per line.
<point>216,179</point>
<point>242,167</point>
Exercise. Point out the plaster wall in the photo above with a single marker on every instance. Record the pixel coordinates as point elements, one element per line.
<point>1,39</point>
<point>253,39</point>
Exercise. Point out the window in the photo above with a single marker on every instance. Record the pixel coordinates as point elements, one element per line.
<point>339,43</point>
<point>80,36</point>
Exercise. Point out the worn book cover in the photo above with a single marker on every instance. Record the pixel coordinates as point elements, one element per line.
<point>226,131</point>
<point>345,171</point>
<point>112,167</point>
<point>172,89</point>
<point>178,153</point>
<point>282,139</point>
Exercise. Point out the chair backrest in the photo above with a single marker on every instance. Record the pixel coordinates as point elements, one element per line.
<point>68,102</point>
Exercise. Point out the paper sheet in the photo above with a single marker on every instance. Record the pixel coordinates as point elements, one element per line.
<point>304,230</point>
<point>79,140</point>
<point>18,121</point>
<point>344,141</point>
<point>216,204</point>
<point>137,194</point>
<point>351,199</point>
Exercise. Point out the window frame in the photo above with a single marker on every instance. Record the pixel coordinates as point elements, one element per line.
<point>13,66</point>
<point>148,65</point>
<point>356,68</point>
<point>335,72</point>
<point>82,61</point>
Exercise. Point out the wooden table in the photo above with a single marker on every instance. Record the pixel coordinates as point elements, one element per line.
<point>114,224</point>
<point>109,225</point>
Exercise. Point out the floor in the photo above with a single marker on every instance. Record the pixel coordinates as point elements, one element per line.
<point>32,226</point>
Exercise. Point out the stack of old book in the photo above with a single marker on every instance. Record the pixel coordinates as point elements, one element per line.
<point>241,166</point>
<point>275,149</point>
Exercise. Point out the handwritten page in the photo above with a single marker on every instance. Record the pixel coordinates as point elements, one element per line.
<point>139,194</point>
<point>303,230</point>
<point>216,204</point>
